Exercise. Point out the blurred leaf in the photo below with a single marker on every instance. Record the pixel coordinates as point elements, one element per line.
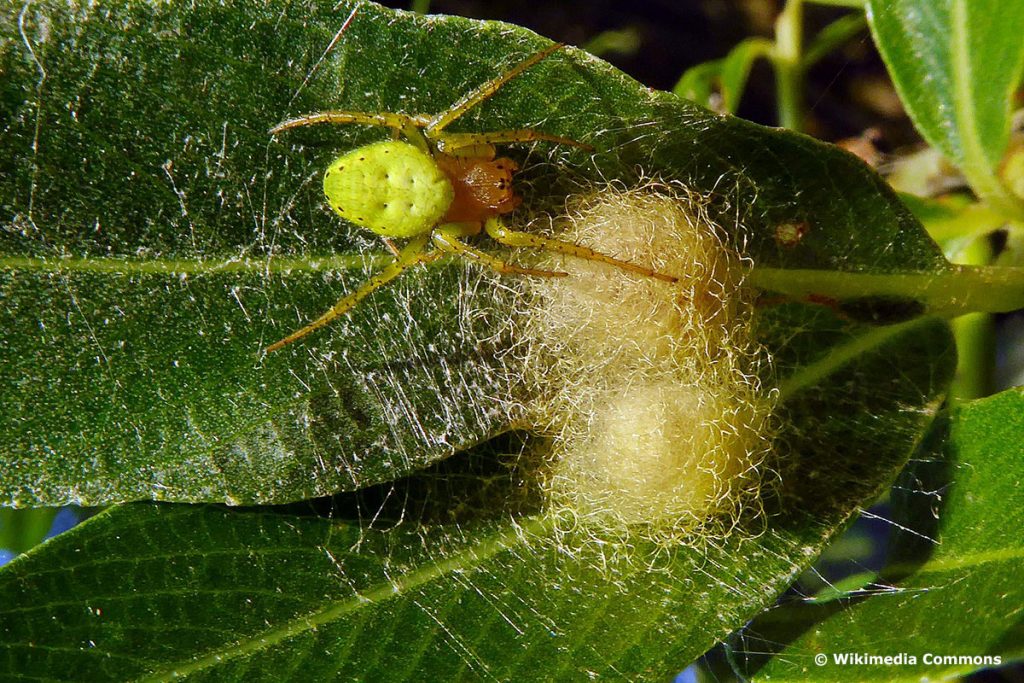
<point>736,68</point>
<point>726,76</point>
<point>853,4</point>
<point>623,41</point>
<point>22,529</point>
<point>832,37</point>
<point>953,219</point>
<point>953,581</point>
<point>154,239</point>
<point>699,83</point>
<point>956,65</point>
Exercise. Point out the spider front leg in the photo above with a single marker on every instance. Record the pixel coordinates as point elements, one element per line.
<point>482,92</point>
<point>409,126</point>
<point>482,144</point>
<point>514,238</point>
<point>410,255</point>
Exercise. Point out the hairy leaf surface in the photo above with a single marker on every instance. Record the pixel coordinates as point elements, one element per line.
<point>154,239</point>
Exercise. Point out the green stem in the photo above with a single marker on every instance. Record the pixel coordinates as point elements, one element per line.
<point>789,71</point>
<point>975,338</point>
<point>950,292</point>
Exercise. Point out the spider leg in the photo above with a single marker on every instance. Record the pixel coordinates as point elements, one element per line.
<point>409,126</point>
<point>410,255</point>
<point>468,144</point>
<point>515,238</point>
<point>481,93</point>
<point>446,237</point>
<point>391,246</point>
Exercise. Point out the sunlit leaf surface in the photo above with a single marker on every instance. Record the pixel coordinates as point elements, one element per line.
<point>155,239</point>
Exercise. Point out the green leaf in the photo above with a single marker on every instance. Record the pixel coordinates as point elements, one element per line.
<point>852,4</point>
<point>23,529</point>
<point>736,68</point>
<point>621,41</point>
<point>455,572</point>
<point>697,83</point>
<point>727,76</point>
<point>953,220</point>
<point>830,38</point>
<point>155,238</point>
<point>956,65</point>
<point>953,580</point>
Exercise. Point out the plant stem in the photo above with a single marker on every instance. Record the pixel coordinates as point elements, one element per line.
<point>975,338</point>
<point>788,67</point>
<point>950,292</point>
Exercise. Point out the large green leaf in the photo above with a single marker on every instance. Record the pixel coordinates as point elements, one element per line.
<point>953,581</point>
<point>456,573</point>
<point>154,239</point>
<point>956,65</point>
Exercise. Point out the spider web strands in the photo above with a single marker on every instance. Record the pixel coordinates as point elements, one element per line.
<point>475,97</point>
<point>840,356</point>
<point>327,50</point>
<point>383,591</point>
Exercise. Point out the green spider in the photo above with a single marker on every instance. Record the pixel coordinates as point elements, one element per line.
<point>435,188</point>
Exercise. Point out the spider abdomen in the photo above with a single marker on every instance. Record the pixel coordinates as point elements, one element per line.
<point>392,188</point>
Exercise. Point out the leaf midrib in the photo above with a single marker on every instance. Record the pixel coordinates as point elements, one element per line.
<point>958,563</point>
<point>468,558</point>
<point>184,266</point>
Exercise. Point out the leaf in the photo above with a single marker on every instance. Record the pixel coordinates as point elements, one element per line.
<point>736,68</point>
<point>729,74</point>
<point>697,83</point>
<point>155,238</point>
<point>956,65</point>
<point>23,529</point>
<point>852,4</point>
<point>953,578</point>
<point>831,37</point>
<point>455,572</point>
<point>952,221</point>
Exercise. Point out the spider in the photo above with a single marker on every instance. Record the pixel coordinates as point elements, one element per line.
<point>437,188</point>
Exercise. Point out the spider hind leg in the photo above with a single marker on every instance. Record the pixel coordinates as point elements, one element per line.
<point>515,238</point>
